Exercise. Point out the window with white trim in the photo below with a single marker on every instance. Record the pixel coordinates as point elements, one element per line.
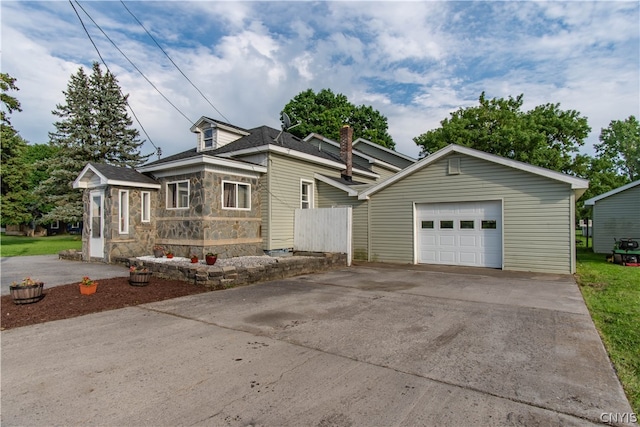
<point>123,211</point>
<point>207,137</point>
<point>236,195</point>
<point>145,208</point>
<point>178,195</point>
<point>306,194</point>
<point>55,225</point>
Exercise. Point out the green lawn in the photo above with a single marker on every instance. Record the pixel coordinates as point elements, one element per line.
<point>20,245</point>
<point>612,294</point>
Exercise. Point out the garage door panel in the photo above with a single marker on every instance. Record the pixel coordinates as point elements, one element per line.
<point>464,233</point>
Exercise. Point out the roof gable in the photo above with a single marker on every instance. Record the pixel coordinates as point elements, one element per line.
<point>592,201</point>
<point>99,174</point>
<point>576,183</point>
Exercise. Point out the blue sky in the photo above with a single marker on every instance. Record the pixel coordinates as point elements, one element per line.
<point>415,62</point>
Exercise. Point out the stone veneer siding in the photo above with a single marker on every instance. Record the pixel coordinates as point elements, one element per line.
<point>204,226</point>
<point>215,277</point>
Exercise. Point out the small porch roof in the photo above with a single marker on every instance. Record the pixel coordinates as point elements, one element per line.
<point>96,175</point>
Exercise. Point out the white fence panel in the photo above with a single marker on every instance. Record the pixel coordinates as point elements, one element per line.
<point>323,230</point>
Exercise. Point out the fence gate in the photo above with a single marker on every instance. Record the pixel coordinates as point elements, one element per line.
<point>323,230</point>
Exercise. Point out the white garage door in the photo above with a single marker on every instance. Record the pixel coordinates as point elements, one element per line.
<point>465,233</point>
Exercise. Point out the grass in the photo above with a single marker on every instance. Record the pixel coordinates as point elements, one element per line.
<point>21,245</point>
<point>612,294</point>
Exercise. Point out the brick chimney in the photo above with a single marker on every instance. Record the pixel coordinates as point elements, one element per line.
<point>346,136</point>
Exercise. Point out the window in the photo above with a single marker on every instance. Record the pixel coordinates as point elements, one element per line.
<point>466,225</point>
<point>178,195</point>
<point>208,138</point>
<point>489,224</point>
<point>55,225</point>
<point>306,195</point>
<point>123,211</point>
<point>145,198</point>
<point>236,195</point>
<point>446,224</point>
<point>427,224</point>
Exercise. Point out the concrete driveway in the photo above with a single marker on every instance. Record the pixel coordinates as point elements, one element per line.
<point>54,271</point>
<point>362,346</point>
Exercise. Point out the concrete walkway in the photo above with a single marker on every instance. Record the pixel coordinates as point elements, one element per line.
<point>361,346</point>
<point>53,271</point>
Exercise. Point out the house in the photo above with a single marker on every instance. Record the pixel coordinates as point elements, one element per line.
<point>234,193</point>
<point>460,206</point>
<point>616,214</point>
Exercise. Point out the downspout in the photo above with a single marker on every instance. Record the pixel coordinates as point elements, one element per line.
<point>572,227</point>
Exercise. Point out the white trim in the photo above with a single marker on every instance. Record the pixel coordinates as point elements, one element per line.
<point>298,155</point>
<point>236,183</point>
<point>145,210</point>
<point>123,212</point>
<point>311,187</point>
<point>177,195</point>
<point>350,191</point>
<point>206,160</point>
<point>198,124</point>
<point>55,225</point>
<point>592,201</point>
<point>576,183</point>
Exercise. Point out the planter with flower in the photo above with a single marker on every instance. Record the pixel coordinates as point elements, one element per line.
<point>211,258</point>
<point>158,251</point>
<point>139,276</point>
<point>194,258</point>
<point>88,286</point>
<point>169,254</point>
<point>26,291</point>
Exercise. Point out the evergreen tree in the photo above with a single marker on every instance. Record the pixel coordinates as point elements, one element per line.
<point>94,126</point>
<point>14,172</point>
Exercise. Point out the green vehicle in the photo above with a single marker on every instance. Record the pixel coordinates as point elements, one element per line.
<point>627,252</point>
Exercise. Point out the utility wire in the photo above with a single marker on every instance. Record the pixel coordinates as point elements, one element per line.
<point>174,64</point>
<point>133,65</point>
<point>158,149</point>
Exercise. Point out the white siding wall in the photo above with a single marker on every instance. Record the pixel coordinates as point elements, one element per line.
<point>616,217</point>
<point>537,212</point>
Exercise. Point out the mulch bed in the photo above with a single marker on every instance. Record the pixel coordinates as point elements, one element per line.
<point>64,302</point>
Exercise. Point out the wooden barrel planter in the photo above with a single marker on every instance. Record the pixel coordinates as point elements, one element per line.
<point>27,294</point>
<point>139,278</point>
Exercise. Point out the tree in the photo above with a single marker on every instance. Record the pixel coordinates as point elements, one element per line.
<point>14,172</point>
<point>325,113</point>
<point>94,126</point>
<point>620,144</point>
<point>545,136</point>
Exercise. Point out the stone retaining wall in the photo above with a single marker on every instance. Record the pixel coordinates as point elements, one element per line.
<point>222,277</point>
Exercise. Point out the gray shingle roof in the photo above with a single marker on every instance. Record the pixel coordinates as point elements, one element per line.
<point>122,173</point>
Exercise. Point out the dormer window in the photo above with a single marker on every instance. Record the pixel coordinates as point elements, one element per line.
<point>208,138</point>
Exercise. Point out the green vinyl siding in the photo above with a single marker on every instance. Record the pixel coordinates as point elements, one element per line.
<point>537,212</point>
<point>329,196</point>
<point>616,216</point>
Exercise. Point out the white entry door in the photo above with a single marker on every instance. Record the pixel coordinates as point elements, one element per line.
<point>462,233</point>
<point>96,225</point>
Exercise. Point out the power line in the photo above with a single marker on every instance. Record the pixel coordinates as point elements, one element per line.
<point>133,65</point>
<point>174,64</point>
<point>158,149</point>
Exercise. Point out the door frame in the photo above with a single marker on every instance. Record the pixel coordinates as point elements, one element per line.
<point>96,244</point>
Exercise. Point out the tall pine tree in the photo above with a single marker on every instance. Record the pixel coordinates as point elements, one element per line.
<point>94,126</point>
<point>14,171</point>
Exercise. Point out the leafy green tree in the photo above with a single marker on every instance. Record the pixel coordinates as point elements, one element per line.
<point>14,172</point>
<point>603,176</point>
<point>545,136</point>
<point>94,126</point>
<point>620,144</point>
<point>324,113</point>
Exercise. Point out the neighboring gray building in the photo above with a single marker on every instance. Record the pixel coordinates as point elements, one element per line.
<point>616,214</point>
